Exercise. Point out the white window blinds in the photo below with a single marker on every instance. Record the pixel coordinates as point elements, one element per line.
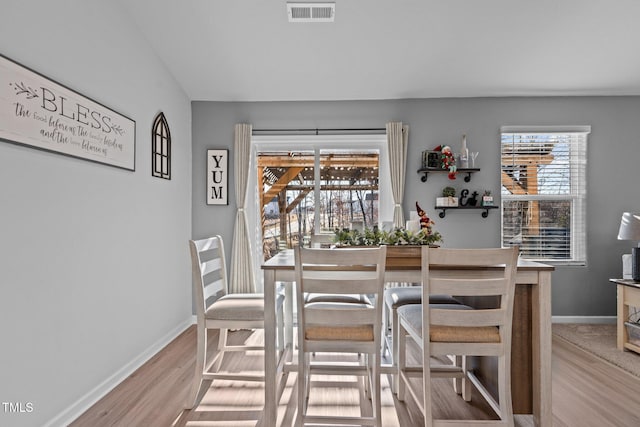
<point>543,177</point>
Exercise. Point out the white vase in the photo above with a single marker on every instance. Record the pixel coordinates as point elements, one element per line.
<point>464,153</point>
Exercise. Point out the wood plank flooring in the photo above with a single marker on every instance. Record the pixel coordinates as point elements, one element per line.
<point>586,392</point>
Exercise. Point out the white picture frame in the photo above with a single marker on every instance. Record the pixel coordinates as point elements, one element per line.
<point>38,112</point>
<point>217,177</point>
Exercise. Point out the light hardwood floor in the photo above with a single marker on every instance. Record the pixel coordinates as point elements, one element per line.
<point>586,393</point>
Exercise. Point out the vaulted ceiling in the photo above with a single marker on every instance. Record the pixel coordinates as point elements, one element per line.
<point>246,50</point>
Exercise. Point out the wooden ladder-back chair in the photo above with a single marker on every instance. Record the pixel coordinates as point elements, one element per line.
<point>340,327</point>
<point>218,309</point>
<point>486,274</point>
<point>395,297</point>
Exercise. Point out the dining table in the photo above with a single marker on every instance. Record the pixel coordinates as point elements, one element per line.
<point>531,338</point>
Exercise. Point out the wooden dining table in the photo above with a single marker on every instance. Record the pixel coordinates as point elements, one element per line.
<point>531,339</point>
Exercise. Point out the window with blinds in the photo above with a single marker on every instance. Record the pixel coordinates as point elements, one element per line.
<point>543,177</point>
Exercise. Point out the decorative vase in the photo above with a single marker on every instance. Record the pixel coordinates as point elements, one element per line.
<point>464,153</point>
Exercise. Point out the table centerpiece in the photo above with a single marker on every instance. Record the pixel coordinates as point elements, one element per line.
<point>403,245</point>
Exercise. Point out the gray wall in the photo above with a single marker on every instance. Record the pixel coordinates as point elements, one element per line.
<point>93,259</point>
<point>94,265</point>
<point>611,179</point>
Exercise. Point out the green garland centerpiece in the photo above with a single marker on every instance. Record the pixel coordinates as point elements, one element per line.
<point>375,237</point>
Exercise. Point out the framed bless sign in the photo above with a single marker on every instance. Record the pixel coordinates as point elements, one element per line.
<point>217,173</point>
<point>38,112</point>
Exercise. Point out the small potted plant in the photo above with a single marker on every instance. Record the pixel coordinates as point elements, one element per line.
<point>487,198</point>
<point>448,198</point>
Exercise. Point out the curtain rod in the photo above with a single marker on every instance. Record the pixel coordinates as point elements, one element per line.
<point>317,131</point>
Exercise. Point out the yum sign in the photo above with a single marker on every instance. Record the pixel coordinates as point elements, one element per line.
<point>217,173</point>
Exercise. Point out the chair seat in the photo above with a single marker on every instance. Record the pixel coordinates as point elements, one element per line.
<point>239,307</point>
<point>412,315</point>
<point>351,333</point>
<point>350,298</point>
<point>347,333</point>
<point>333,305</point>
<point>399,296</point>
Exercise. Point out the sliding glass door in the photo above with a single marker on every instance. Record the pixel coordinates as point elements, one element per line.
<point>296,202</point>
<point>308,185</point>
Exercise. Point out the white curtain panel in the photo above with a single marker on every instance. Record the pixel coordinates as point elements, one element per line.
<point>398,139</point>
<point>242,278</point>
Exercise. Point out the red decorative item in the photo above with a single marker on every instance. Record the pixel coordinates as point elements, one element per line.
<point>448,161</point>
<point>425,221</point>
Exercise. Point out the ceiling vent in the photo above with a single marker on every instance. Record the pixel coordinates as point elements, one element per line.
<point>311,12</point>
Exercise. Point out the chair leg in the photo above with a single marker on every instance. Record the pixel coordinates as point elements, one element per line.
<point>376,390</point>
<point>395,327</point>
<point>426,378</point>
<point>222,342</point>
<point>366,379</point>
<point>280,322</point>
<point>401,340</point>
<point>386,331</point>
<point>466,382</point>
<point>457,382</point>
<point>302,386</point>
<point>462,385</point>
<point>201,355</point>
<point>307,382</point>
<point>504,390</point>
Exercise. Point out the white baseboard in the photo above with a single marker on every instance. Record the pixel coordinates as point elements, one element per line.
<point>80,406</point>
<point>583,319</point>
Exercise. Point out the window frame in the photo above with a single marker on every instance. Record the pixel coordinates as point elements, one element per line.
<point>161,135</point>
<point>314,143</point>
<point>577,195</point>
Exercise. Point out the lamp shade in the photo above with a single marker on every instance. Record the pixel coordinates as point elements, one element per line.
<point>629,226</point>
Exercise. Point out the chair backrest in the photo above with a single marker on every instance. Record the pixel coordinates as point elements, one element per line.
<point>209,272</point>
<point>340,271</point>
<point>482,274</point>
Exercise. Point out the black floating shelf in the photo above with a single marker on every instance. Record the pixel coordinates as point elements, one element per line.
<point>485,209</point>
<point>468,171</point>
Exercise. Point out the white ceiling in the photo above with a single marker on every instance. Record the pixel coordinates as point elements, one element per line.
<point>246,50</point>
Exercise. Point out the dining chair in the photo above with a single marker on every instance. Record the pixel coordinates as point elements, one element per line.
<point>216,308</point>
<point>340,327</point>
<point>480,274</point>
<point>394,297</point>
